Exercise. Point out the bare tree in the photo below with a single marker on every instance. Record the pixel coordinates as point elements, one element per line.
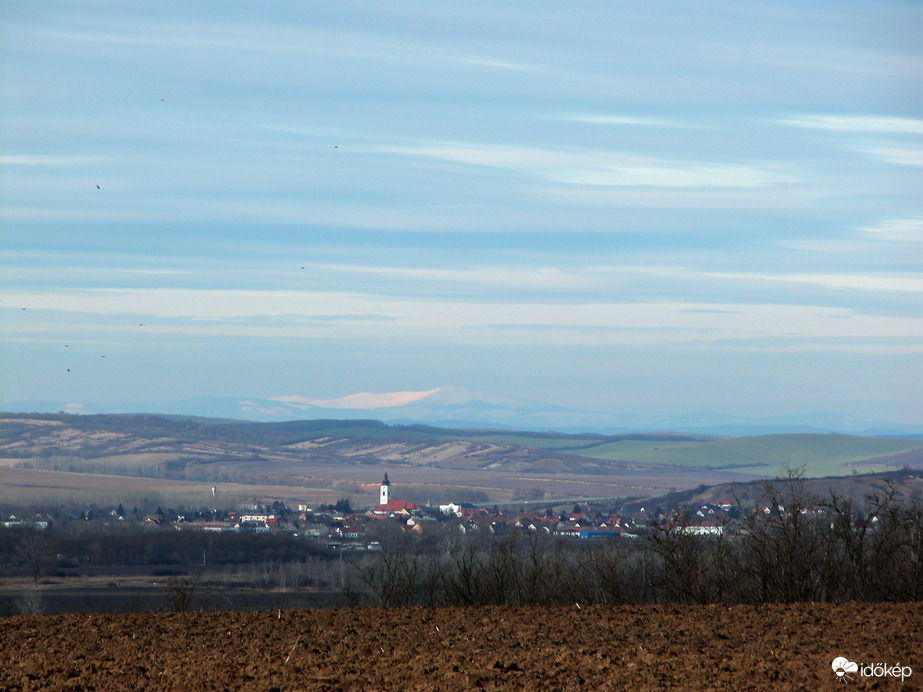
<point>390,578</point>
<point>503,569</point>
<point>464,573</point>
<point>35,552</point>
<point>178,592</point>
<point>781,544</point>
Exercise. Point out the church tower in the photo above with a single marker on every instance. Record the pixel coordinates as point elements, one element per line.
<point>384,496</point>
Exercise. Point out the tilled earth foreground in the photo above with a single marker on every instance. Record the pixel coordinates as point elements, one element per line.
<point>785,647</point>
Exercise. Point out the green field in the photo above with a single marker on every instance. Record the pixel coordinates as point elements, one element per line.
<point>559,443</point>
<point>820,455</point>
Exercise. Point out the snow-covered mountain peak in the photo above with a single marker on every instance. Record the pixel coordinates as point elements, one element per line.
<point>363,401</point>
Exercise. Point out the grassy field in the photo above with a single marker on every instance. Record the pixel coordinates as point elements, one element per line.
<point>544,441</point>
<point>820,455</point>
<point>20,486</point>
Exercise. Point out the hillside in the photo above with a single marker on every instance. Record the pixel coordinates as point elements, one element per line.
<point>820,455</point>
<point>124,444</point>
<point>906,484</point>
<point>324,459</point>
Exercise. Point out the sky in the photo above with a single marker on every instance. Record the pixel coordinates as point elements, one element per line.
<point>633,207</point>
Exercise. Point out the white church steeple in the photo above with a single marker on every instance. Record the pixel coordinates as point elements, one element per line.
<point>384,496</point>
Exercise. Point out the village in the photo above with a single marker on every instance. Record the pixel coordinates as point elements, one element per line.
<point>341,527</point>
<point>397,552</point>
<point>345,529</point>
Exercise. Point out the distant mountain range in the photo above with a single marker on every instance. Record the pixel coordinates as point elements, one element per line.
<point>461,408</point>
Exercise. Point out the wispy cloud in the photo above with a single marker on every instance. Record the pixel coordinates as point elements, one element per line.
<point>48,160</point>
<point>858,123</point>
<point>907,229</point>
<point>900,155</point>
<point>493,277</point>
<point>273,39</point>
<point>454,175</point>
<point>861,282</point>
<point>590,321</point>
<point>625,120</point>
<point>634,172</point>
<point>602,168</point>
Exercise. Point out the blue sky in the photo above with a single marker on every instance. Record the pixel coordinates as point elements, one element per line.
<point>633,207</point>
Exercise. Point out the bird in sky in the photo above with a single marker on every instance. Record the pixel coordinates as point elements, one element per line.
<point>97,187</point>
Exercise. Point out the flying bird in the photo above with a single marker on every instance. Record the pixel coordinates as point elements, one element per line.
<point>97,187</point>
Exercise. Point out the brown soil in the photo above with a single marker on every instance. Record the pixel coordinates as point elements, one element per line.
<point>782,647</point>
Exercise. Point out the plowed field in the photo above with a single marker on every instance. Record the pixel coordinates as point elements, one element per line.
<point>781,647</point>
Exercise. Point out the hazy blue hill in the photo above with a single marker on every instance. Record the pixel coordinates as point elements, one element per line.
<point>458,408</point>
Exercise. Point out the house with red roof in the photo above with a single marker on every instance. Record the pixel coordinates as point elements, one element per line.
<point>396,508</point>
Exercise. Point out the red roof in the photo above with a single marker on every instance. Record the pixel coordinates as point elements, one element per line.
<point>396,506</point>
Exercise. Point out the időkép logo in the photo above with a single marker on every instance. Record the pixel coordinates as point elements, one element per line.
<point>843,667</point>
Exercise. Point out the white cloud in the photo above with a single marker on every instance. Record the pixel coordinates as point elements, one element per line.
<point>625,120</point>
<point>48,160</point>
<point>601,168</point>
<point>496,277</point>
<point>858,123</point>
<point>278,39</point>
<point>299,314</point>
<point>862,282</point>
<point>664,173</point>
<point>907,229</point>
<point>900,155</point>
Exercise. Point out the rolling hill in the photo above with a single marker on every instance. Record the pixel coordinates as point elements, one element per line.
<point>349,456</point>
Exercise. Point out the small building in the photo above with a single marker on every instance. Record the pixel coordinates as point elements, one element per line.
<point>455,508</point>
<point>597,533</point>
<point>700,530</point>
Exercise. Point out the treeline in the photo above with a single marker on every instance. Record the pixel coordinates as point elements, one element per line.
<point>49,553</point>
<point>186,468</point>
<point>870,551</point>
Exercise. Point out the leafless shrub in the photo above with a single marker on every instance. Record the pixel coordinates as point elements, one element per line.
<point>178,592</point>
<point>781,544</point>
<point>791,547</point>
<point>30,602</point>
<point>391,578</point>
<point>464,574</point>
